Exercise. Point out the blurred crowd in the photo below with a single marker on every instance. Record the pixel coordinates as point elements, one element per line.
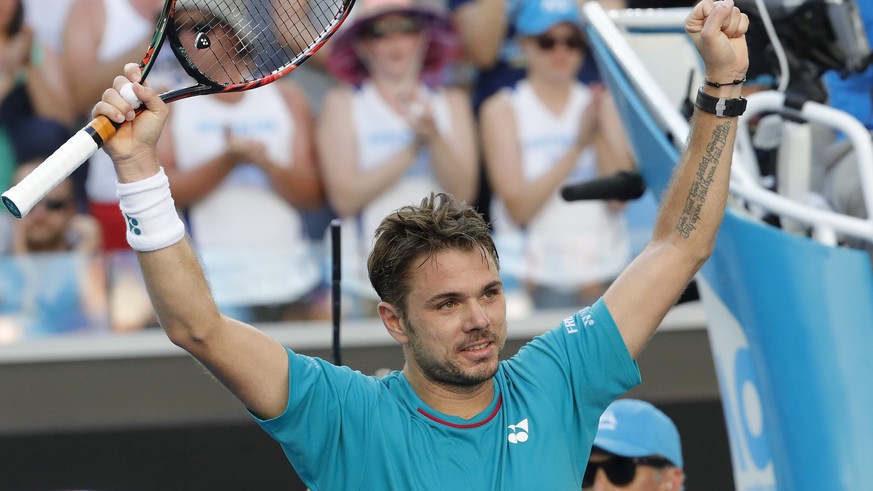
<point>494,101</point>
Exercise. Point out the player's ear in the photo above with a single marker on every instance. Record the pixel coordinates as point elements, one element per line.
<point>393,322</point>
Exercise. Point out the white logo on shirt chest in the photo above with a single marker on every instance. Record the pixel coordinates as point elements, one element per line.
<point>519,432</point>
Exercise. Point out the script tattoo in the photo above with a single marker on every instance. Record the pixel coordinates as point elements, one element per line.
<point>704,177</point>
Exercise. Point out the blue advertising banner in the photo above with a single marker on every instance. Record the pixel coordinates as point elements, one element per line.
<point>790,326</point>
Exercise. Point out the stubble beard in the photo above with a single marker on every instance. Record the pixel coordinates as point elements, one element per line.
<point>447,372</point>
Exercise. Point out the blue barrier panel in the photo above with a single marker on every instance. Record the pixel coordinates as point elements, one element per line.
<point>790,326</point>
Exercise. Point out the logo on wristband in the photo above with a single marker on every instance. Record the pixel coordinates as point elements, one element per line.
<point>133,225</point>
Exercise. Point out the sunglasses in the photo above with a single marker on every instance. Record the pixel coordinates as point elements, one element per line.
<point>620,471</point>
<point>382,28</point>
<point>547,43</point>
<point>54,204</point>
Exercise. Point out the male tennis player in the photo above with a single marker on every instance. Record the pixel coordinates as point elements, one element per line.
<point>454,417</point>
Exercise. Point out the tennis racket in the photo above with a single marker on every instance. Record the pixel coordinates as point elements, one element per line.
<point>223,45</point>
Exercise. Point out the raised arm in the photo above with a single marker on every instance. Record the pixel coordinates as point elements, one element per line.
<point>251,365</point>
<point>694,204</point>
<point>482,28</point>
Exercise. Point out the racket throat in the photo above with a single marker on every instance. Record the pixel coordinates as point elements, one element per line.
<point>101,129</point>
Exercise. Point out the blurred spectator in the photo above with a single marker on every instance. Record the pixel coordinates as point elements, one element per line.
<point>488,34</point>
<point>34,105</point>
<point>853,94</point>
<point>48,17</point>
<point>637,448</point>
<point>547,131</point>
<point>394,133</point>
<point>312,76</point>
<point>53,225</point>
<point>54,281</point>
<point>489,39</point>
<point>99,38</point>
<point>659,4</point>
<point>242,166</point>
<point>129,306</point>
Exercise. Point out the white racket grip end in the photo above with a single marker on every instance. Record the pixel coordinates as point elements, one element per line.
<point>22,197</point>
<point>128,95</point>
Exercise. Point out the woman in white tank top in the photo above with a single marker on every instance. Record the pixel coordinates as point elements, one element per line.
<point>548,131</point>
<point>241,165</point>
<point>387,139</point>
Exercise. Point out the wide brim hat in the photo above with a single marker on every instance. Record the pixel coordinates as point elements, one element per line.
<point>443,45</point>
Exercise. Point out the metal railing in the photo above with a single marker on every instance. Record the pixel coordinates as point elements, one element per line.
<point>746,186</point>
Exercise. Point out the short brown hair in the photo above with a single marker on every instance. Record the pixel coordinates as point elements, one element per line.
<point>439,223</point>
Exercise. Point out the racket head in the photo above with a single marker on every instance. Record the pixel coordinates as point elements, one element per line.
<point>235,45</point>
<point>270,38</point>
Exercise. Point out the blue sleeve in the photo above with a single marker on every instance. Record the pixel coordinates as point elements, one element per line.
<point>326,404</point>
<point>580,366</point>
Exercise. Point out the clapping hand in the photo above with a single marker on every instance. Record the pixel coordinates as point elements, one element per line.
<point>590,124</point>
<point>245,150</point>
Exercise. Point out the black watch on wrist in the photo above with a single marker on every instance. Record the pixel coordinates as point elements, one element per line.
<point>721,107</point>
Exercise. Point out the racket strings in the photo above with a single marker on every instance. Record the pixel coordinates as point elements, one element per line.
<point>238,41</point>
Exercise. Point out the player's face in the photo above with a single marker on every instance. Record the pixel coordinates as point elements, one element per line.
<point>455,318</point>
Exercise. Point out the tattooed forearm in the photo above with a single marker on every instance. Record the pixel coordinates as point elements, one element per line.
<point>703,178</point>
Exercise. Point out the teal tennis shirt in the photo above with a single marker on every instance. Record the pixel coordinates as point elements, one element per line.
<point>344,431</point>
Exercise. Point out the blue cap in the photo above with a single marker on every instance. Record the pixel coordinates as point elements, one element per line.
<point>538,16</point>
<point>633,428</point>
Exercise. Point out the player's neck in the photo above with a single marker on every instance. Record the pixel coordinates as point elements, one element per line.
<point>463,402</point>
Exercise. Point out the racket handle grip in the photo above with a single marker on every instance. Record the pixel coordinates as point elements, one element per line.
<point>22,197</point>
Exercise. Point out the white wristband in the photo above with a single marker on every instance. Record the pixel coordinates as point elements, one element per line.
<point>150,213</point>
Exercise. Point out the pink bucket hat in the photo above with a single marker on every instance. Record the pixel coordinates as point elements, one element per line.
<point>443,44</point>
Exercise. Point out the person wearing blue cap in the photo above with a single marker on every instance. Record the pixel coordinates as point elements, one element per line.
<point>494,58</point>
<point>637,448</point>
<point>547,131</point>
